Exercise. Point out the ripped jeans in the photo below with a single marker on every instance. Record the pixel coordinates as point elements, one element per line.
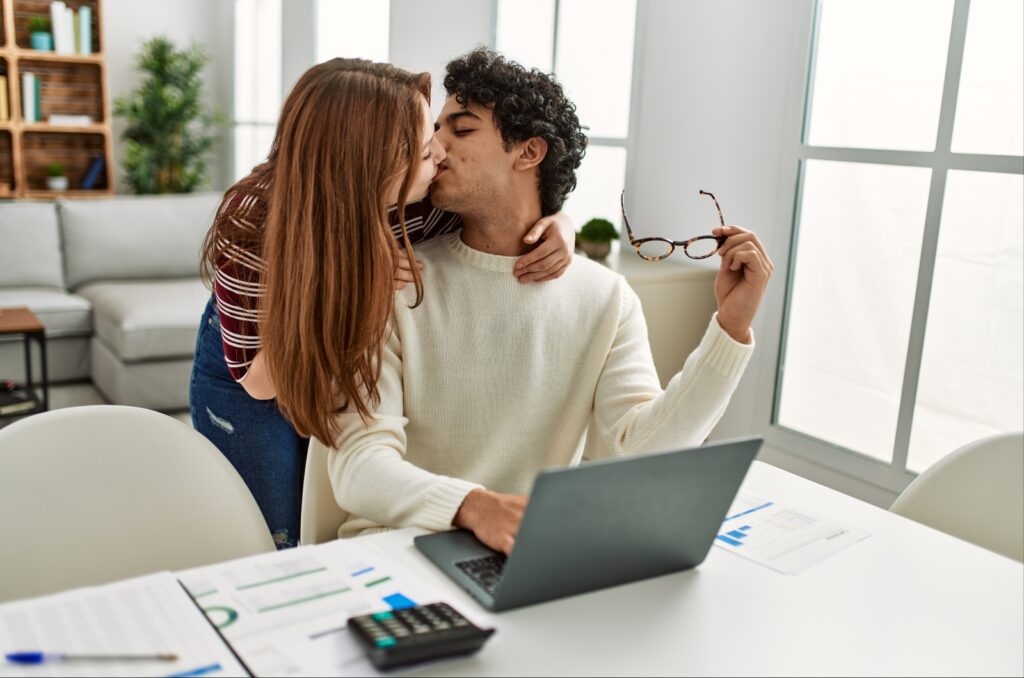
<point>253,434</point>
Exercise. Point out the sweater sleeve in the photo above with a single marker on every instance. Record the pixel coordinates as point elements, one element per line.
<point>371,478</point>
<point>634,415</point>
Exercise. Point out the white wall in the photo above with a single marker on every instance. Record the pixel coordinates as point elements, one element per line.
<point>425,36</point>
<point>129,23</point>
<point>720,108</point>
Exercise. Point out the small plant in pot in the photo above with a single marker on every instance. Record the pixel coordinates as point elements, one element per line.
<point>596,238</point>
<point>39,33</point>
<point>55,179</point>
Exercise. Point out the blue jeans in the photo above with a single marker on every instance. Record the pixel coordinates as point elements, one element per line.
<point>253,434</point>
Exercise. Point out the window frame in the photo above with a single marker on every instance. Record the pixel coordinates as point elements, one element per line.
<point>635,92</point>
<point>892,476</point>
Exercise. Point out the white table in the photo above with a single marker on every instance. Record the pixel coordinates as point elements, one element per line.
<point>906,601</point>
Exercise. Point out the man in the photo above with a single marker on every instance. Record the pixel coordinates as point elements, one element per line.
<point>489,381</point>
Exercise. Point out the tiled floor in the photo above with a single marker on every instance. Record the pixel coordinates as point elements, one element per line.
<point>75,395</point>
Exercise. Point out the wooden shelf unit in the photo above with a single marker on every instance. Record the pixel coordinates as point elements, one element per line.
<point>72,84</point>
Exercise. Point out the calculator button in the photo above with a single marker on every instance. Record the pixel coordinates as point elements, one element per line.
<point>387,641</point>
<point>381,616</point>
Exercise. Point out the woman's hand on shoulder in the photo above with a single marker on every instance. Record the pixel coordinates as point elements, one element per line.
<point>403,274</point>
<point>557,237</point>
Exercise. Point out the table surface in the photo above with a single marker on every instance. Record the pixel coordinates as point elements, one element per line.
<point>908,600</point>
<point>19,319</point>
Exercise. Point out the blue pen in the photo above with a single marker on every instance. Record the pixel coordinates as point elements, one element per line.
<point>42,657</point>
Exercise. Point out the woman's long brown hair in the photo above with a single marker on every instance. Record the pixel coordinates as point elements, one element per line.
<point>348,131</point>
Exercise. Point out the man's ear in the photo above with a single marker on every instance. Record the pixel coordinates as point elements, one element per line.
<point>531,153</point>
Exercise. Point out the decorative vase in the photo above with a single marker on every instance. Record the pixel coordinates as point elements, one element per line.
<point>57,183</point>
<point>596,250</point>
<point>42,41</point>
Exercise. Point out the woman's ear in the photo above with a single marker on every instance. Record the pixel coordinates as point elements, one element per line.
<point>531,153</point>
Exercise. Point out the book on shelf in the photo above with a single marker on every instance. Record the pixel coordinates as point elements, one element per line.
<point>62,24</point>
<point>5,108</point>
<point>13,402</point>
<point>36,92</point>
<point>69,120</point>
<point>85,29</point>
<point>92,174</point>
<point>28,97</point>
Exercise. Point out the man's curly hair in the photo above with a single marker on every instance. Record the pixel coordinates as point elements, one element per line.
<point>525,104</point>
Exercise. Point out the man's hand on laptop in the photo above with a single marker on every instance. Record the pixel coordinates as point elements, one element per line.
<point>493,517</point>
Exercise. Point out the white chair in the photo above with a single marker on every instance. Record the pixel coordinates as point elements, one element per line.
<point>976,493</point>
<point>321,516</point>
<point>94,494</point>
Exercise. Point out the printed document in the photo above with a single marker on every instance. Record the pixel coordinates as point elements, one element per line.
<point>145,615</point>
<point>781,537</point>
<point>268,606</point>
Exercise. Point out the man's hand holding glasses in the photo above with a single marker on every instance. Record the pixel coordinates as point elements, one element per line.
<point>743,273</point>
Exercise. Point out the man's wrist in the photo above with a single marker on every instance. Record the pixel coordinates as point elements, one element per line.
<point>739,334</point>
<point>469,509</point>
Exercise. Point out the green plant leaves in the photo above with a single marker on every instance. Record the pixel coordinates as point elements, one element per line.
<point>169,133</point>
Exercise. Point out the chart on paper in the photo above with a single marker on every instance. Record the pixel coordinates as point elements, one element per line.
<point>780,537</point>
<point>267,604</point>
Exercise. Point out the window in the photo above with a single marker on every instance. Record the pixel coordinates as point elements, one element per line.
<point>346,28</point>
<point>257,76</point>
<point>588,45</point>
<point>904,320</point>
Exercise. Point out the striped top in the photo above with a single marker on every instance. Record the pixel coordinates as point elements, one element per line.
<point>236,280</point>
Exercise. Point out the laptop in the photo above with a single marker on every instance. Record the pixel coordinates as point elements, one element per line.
<point>601,524</point>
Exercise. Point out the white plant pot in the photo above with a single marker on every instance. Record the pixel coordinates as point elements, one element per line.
<point>57,183</point>
<point>595,250</point>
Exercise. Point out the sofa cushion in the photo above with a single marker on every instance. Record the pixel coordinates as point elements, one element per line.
<point>147,319</point>
<point>30,255</point>
<point>135,237</point>
<point>62,313</point>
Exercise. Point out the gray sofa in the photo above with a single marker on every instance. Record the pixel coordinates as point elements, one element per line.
<point>116,283</point>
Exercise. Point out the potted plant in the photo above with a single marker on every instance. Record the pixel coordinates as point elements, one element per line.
<point>169,132</point>
<point>39,32</point>
<point>55,179</point>
<point>596,238</point>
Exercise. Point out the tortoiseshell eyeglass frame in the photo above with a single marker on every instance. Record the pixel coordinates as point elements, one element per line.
<point>672,244</point>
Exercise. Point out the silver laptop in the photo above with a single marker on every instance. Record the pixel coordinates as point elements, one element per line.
<point>602,524</point>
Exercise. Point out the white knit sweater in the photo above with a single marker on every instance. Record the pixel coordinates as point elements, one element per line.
<point>490,381</point>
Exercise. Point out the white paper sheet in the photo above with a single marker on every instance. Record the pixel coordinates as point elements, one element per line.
<point>268,605</point>
<point>780,537</point>
<point>145,615</point>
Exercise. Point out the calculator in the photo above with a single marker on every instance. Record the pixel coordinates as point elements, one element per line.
<point>416,634</point>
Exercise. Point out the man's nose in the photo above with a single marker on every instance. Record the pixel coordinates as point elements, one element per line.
<point>441,151</point>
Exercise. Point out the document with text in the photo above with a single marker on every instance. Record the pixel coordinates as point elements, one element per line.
<point>781,537</point>
<point>147,615</point>
<point>286,613</point>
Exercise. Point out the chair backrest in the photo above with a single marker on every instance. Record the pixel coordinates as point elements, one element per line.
<point>321,516</point>
<point>94,494</point>
<point>976,493</point>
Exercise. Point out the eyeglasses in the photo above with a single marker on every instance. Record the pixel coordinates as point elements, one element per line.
<point>656,249</point>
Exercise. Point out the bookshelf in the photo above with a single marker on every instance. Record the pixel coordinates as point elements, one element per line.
<point>69,84</point>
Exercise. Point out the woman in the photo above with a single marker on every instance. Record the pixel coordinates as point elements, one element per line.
<point>304,254</point>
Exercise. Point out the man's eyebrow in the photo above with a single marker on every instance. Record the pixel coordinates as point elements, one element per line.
<point>452,117</point>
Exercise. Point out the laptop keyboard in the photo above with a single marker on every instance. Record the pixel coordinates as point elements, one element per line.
<point>485,572</point>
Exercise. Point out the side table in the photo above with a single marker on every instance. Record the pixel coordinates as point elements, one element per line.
<point>22,321</point>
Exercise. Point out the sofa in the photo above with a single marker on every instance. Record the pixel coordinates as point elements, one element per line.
<point>116,283</point>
